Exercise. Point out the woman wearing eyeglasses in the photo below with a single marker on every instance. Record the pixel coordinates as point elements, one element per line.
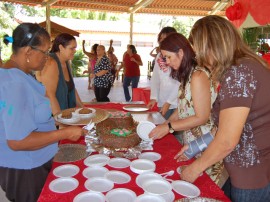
<point>57,75</point>
<point>28,137</point>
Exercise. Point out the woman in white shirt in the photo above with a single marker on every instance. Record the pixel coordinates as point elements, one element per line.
<point>164,88</point>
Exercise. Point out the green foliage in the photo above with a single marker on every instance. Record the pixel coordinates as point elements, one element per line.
<point>182,25</point>
<point>250,36</point>
<point>102,16</point>
<point>78,61</point>
<point>32,11</point>
<point>7,24</point>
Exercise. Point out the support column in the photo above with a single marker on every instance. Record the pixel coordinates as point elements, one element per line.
<point>131,28</point>
<point>48,20</point>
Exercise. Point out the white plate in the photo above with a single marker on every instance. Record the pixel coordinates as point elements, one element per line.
<point>118,177</point>
<point>63,184</point>
<point>67,170</point>
<point>135,109</point>
<point>119,163</point>
<point>152,156</point>
<point>157,186</point>
<point>144,128</point>
<point>120,194</point>
<point>98,184</point>
<point>169,197</point>
<point>185,188</point>
<point>149,197</point>
<point>96,171</point>
<point>89,196</point>
<point>140,166</point>
<point>96,160</point>
<point>145,177</point>
<point>86,116</point>
<point>74,119</point>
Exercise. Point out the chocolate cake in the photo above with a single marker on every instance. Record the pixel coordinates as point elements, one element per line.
<point>85,111</point>
<point>66,114</point>
<point>118,131</point>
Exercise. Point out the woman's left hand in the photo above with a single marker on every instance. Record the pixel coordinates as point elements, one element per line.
<point>159,132</point>
<point>180,156</point>
<point>165,108</point>
<point>190,173</point>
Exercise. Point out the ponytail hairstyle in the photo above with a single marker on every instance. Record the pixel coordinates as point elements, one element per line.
<point>62,39</point>
<point>28,34</point>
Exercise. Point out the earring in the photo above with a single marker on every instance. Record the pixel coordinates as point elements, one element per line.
<point>27,60</point>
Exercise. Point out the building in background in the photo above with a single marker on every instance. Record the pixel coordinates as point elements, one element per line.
<point>101,32</point>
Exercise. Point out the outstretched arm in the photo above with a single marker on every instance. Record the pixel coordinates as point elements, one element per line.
<point>89,54</point>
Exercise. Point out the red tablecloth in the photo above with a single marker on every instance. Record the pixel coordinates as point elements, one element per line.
<point>267,57</point>
<point>167,147</point>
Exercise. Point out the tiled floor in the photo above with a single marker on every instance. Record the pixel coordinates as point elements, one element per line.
<point>116,94</point>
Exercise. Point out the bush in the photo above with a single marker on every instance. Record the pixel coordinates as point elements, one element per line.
<point>79,60</point>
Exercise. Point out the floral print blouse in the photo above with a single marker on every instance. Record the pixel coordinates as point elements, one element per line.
<point>186,108</point>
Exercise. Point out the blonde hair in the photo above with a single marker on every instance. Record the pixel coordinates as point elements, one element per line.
<point>218,44</point>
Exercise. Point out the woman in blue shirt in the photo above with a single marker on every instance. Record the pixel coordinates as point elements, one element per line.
<point>28,137</point>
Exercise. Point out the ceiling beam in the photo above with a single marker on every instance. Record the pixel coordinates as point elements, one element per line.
<point>219,6</point>
<point>178,9</point>
<point>48,2</point>
<point>99,3</point>
<point>140,4</point>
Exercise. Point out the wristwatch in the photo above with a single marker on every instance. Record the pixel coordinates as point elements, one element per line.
<point>171,130</point>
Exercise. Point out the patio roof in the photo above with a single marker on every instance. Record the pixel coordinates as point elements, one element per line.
<point>163,7</point>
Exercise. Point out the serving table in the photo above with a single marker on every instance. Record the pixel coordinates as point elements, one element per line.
<point>167,147</point>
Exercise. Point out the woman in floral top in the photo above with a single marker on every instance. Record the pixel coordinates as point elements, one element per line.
<point>102,76</point>
<point>196,94</point>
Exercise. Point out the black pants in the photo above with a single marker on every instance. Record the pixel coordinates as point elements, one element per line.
<point>24,185</point>
<point>102,94</point>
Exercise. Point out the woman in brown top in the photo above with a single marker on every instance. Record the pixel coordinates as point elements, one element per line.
<point>242,110</point>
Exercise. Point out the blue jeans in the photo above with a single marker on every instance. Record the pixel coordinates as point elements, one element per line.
<point>251,195</point>
<point>168,113</point>
<point>127,80</point>
<point>247,195</point>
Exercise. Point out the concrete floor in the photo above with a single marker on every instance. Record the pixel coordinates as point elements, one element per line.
<point>3,196</point>
<point>116,95</point>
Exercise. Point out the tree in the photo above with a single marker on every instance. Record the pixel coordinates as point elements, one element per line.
<point>7,24</point>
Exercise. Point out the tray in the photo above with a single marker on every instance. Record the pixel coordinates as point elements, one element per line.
<point>70,153</point>
<point>101,115</point>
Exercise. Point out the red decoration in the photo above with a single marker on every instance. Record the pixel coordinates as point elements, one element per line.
<point>234,12</point>
<point>260,11</point>
<point>239,19</point>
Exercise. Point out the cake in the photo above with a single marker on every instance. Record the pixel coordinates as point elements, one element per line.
<point>118,131</point>
<point>66,114</point>
<point>85,111</point>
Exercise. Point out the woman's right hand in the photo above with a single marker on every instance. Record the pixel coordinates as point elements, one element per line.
<point>73,133</point>
<point>159,132</point>
<point>151,104</point>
